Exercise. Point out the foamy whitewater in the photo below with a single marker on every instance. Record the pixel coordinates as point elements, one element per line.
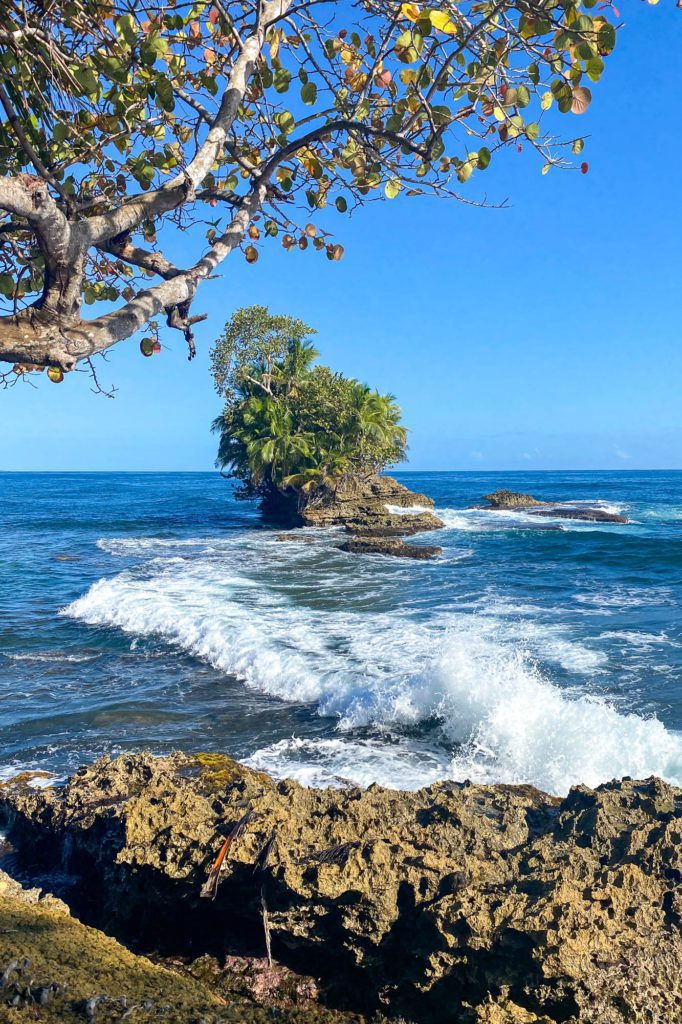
<point>548,653</point>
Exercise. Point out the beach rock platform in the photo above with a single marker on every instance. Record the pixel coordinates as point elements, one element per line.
<point>504,500</point>
<point>459,903</point>
<point>367,510</point>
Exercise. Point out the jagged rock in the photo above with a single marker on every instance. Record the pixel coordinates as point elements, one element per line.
<point>504,500</point>
<point>374,523</point>
<point>362,506</point>
<point>385,490</point>
<point>298,538</point>
<point>510,499</point>
<point>389,546</point>
<point>459,903</point>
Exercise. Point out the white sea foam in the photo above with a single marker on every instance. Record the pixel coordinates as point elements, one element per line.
<point>407,510</point>
<point>483,519</point>
<point>475,676</point>
<point>337,762</point>
<point>40,656</point>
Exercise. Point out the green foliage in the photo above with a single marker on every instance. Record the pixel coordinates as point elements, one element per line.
<point>345,103</point>
<point>289,425</point>
<point>257,344</point>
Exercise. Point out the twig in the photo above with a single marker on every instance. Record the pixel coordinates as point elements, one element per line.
<point>266,927</point>
<point>210,888</point>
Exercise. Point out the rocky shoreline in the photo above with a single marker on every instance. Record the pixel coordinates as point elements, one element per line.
<point>458,903</point>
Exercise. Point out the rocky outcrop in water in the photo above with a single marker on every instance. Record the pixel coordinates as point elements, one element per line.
<point>459,903</point>
<point>372,545</point>
<point>510,500</point>
<point>364,508</point>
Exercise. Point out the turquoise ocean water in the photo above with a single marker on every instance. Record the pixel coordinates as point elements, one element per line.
<point>154,611</point>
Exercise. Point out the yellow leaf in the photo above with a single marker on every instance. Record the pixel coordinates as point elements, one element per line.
<point>441,21</point>
<point>410,11</point>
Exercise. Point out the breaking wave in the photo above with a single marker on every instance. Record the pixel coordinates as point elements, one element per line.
<point>415,696</point>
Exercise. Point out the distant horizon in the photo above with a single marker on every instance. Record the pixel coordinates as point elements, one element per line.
<point>392,472</point>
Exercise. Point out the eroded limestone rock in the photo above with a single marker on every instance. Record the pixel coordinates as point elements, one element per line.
<point>459,903</point>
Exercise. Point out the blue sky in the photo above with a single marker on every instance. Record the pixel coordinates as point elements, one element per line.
<point>543,336</point>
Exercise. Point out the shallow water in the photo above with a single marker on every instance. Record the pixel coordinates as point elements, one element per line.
<point>154,611</point>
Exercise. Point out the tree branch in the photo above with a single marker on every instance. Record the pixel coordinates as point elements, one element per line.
<point>175,192</point>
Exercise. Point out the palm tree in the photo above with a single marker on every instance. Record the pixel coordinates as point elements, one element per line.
<point>297,363</point>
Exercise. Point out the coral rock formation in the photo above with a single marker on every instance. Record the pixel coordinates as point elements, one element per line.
<point>459,903</point>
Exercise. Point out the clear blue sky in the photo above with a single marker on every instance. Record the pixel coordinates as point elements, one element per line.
<point>544,336</point>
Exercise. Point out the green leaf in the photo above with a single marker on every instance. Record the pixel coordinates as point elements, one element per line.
<point>126,27</point>
<point>392,187</point>
<point>532,130</point>
<point>309,93</point>
<point>606,39</point>
<point>578,145</point>
<point>341,204</point>
<point>483,158</point>
<point>594,69</point>
<point>164,94</point>
<point>6,285</point>
<point>285,121</point>
<point>87,80</point>
<point>522,96</point>
<point>441,115</point>
<point>282,78</point>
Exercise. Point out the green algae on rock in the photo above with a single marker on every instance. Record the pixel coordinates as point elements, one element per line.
<point>55,969</point>
<point>458,903</point>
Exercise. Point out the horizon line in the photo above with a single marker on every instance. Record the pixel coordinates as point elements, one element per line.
<point>421,472</point>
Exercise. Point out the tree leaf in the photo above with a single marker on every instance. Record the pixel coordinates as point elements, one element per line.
<point>483,158</point>
<point>582,97</point>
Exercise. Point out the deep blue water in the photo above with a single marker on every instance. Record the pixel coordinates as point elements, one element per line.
<point>154,611</point>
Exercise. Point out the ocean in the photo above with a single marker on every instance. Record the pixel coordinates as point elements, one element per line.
<point>156,612</point>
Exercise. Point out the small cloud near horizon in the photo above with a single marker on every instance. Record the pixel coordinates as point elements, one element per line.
<point>477,455</point>
<point>620,453</point>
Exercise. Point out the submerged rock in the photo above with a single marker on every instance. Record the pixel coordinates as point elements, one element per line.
<point>459,903</point>
<point>588,515</point>
<point>383,545</point>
